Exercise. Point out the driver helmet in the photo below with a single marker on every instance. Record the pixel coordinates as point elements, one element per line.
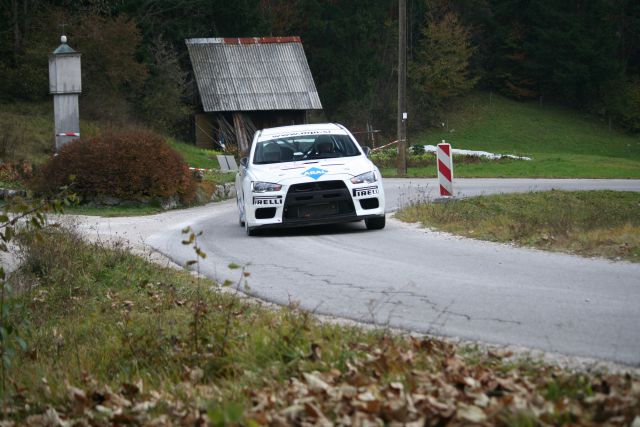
<point>324,144</point>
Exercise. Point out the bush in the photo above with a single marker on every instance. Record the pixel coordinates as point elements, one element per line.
<point>422,160</point>
<point>13,174</point>
<point>387,158</point>
<point>384,158</point>
<point>133,164</point>
<point>416,150</point>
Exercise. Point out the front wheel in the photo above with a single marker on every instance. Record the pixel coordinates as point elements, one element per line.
<point>251,231</point>
<point>375,223</point>
<point>240,211</point>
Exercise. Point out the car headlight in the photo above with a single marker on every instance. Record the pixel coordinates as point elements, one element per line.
<point>263,187</point>
<point>365,177</point>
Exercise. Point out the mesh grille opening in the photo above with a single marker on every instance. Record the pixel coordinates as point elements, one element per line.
<point>371,203</point>
<point>265,213</point>
<point>317,186</point>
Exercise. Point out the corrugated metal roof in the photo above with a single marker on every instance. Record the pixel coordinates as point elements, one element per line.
<point>247,74</point>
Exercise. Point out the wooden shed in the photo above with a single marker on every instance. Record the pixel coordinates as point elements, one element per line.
<point>246,84</point>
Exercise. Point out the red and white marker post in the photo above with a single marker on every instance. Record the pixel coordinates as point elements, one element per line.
<point>445,170</point>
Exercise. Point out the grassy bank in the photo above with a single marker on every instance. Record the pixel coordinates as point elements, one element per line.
<point>589,223</point>
<point>563,143</point>
<point>28,133</point>
<point>544,165</point>
<point>28,140</point>
<point>27,130</point>
<point>114,211</point>
<point>111,339</point>
<point>196,157</point>
<point>494,123</point>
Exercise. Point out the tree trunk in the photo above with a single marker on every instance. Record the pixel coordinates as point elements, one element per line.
<point>16,27</point>
<point>25,20</point>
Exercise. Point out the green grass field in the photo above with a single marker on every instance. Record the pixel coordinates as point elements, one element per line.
<point>194,156</point>
<point>544,165</point>
<point>28,133</point>
<point>563,143</point>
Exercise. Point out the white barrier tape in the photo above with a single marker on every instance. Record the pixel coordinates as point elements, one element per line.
<point>68,134</point>
<point>445,170</point>
<point>385,146</point>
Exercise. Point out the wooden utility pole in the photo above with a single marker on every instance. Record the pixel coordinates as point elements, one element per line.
<point>402,87</point>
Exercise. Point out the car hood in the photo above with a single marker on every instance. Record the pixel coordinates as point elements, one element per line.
<point>311,170</point>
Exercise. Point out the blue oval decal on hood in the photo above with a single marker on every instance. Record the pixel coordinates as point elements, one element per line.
<point>314,172</point>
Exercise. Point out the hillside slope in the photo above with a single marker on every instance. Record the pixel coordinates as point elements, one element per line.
<point>563,143</point>
<point>27,134</point>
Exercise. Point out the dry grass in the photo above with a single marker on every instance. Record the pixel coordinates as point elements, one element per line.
<point>589,223</point>
<point>112,341</point>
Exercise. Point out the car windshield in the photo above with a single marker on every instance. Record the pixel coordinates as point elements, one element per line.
<point>303,147</point>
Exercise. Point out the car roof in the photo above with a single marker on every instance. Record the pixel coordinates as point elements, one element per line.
<point>318,128</point>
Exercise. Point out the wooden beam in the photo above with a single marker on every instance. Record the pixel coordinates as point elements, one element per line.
<point>241,134</point>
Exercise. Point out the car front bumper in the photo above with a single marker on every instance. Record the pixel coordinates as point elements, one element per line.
<point>313,203</point>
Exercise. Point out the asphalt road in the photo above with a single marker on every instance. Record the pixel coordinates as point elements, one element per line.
<point>424,281</point>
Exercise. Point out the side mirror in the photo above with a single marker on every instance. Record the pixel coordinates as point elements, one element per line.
<point>244,162</point>
<point>366,150</point>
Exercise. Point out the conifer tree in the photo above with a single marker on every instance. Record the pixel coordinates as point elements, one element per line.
<point>440,69</point>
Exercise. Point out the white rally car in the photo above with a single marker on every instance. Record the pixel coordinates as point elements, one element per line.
<point>308,174</point>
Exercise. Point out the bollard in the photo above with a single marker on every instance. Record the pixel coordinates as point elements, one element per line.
<point>445,170</point>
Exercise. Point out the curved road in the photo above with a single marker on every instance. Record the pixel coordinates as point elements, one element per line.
<point>425,281</point>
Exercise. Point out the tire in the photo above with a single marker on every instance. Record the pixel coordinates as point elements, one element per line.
<point>240,220</point>
<point>251,231</point>
<point>375,223</point>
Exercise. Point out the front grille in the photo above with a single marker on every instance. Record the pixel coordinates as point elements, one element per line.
<point>317,200</point>
<point>317,186</point>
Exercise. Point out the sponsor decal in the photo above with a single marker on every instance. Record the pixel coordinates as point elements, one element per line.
<point>314,172</point>
<point>365,191</point>
<point>300,133</point>
<point>268,200</point>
